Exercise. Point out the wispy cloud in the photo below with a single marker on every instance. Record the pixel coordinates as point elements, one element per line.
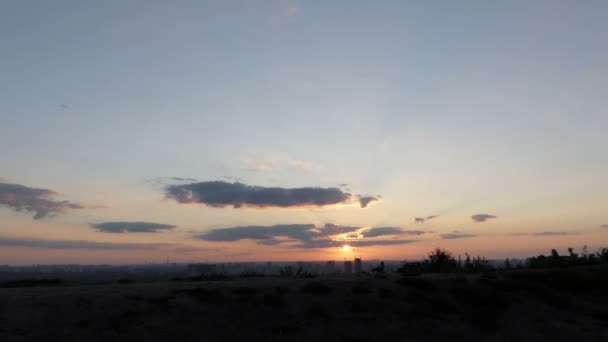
<point>482,217</point>
<point>164,181</point>
<point>304,165</point>
<point>258,163</point>
<point>41,202</point>
<point>328,243</point>
<point>286,13</point>
<point>130,227</point>
<point>450,236</point>
<point>220,194</point>
<point>383,231</point>
<point>604,226</point>
<point>547,233</point>
<point>553,233</point>
<point>307,235</point>
<point>424,219</point>
<point>78,244</point>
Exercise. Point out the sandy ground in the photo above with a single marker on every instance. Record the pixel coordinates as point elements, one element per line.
<point>355,308</point>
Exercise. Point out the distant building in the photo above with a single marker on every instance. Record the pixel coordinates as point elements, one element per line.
<point>358,265</point>
<point>330,267</point>
<point>203,269</point>
<point>348,266</point>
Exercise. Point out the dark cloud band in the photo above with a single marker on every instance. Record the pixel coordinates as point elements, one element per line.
<point>41,202</point>
<point>424,219</point>
<point>482,217</point>
<point>451,236</point>
<point>130,227</point>
<point>308,235</point>
<point>77,244</point>
<point>220,194</point>
<point>553,233</point>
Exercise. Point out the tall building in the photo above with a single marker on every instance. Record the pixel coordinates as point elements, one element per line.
<point>348,266</point>
<point>358,265</point>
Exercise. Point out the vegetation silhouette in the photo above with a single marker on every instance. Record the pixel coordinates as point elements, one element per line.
<point>442,261</point>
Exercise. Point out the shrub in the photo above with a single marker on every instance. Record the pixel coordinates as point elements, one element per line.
<point>440,260</point>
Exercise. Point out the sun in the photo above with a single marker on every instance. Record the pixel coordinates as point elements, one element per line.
<point>346,248</point>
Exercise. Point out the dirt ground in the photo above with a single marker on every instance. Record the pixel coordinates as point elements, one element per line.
<point>508,307</point>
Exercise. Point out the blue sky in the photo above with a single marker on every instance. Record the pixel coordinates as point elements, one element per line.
<point>449,109</point>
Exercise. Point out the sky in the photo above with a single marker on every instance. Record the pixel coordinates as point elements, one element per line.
<point>208,131</point>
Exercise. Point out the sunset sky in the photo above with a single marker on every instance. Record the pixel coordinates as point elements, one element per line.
<point>133,131</point>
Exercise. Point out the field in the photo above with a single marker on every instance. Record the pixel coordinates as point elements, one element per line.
<point>518,306</point>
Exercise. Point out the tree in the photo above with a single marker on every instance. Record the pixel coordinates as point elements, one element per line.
<point>440,260</point>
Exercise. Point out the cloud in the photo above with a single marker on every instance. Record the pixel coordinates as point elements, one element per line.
<point>258,163</point>
<point>130,227</point>
<point>181,179</point>
<point>482,217</point>
<point>366,243</point>
<point>424,219</point>
<point>220,194</point>
<point>450,236</point>
<point>384,231</point>
<point>328,243</point>
<point>414,232</point>
<point>41,202</point>
<point>306,235</point>
<point>381,231</point>
<point>303,164</point>
<point>262,233</point>
<point>365,200</point>
<point>286,14</point>
<point>553,233</point>
<point>78,244</point>
<point>604,226</point>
